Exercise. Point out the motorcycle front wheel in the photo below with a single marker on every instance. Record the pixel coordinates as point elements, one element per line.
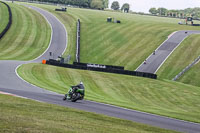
<point>64,98</point>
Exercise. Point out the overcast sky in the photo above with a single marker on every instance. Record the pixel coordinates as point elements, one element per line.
<point>145,5</point>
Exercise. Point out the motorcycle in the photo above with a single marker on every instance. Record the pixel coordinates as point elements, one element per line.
<point>74,94</point>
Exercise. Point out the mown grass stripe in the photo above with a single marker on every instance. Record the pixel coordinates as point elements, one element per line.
<point>135,93</point>
<point>17,32</point>
<point>191,76</point>
<point>101,35</point>
<point>95,42</point>
<point>16,112</point>
<point>179,59</point>
<point>28,36</point>
<point>160,97</point>
<point>4,45</point>
<point>4,16</point>
<point>26,32</point>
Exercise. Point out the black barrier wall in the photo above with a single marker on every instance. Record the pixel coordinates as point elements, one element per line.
<point>109,70</point>
<point>98,66</point>
<point>9,21</point>
<point>78,36</point>
<point>62,9</point>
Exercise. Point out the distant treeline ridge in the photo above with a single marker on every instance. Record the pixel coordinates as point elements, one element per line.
<point>188,12</point>
<point>94,4</point>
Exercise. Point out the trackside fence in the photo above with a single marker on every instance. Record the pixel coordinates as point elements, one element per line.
<point>101,68</point>
<point>9,21</point>
<point>186,69</point>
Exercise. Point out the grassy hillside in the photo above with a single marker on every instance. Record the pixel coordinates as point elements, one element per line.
<point>4,16</point>
<point>159,97</point>
<point>185,54</point>
<point>22,115</point>
<point>127,44</point>
<point>28,36</point>
<point>192,76</point>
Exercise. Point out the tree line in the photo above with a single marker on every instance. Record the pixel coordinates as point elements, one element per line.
<point>188,12</point>
<point>94,4</point>
<point>125,7</point>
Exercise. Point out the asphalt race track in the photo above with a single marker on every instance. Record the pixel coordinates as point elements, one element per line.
<point>11,83</point>
<point>154,61</point>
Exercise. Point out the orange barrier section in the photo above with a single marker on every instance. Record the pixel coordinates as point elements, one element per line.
<point>44,61</point>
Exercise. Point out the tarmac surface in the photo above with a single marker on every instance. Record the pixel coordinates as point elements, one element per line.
<point>155,60</point>
<point>11,83</point>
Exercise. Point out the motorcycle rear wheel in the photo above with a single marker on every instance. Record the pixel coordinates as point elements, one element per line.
<point>74,99</point>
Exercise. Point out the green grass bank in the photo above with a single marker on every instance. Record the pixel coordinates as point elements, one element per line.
<point>28,36</point>
<point>161,97</point>
<point>192,76</point>
<point>184,55</point>
<point>127,44</point>
<point>4,16</point>
<point>22,115</point>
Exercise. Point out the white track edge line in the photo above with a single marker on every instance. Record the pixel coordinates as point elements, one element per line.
<point>171,118</point>
<point>14,95</point>
<point>28,6</point>
<point>94,101</point>
<point>46,49</point>
<point>158,48</point>
<point>52,31</point>
<point>48,46</point>
<point>50,39</point>
<point>172,52</point>
<point>21,77</point>
<point>43,89</point>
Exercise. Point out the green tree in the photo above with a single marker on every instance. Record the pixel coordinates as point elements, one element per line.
<point>105,3</point>
<point>97,4</point>
<point>125,7</point>
<point>83,3</point>
<point>162,11</point>
<point>115,5</point>
<point>153,11</point>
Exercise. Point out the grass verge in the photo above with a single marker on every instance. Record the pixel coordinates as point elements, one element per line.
<point>28,36</point>
<point>185,54</point>
<point>192,76</point>
<point>161,97</point>
<point>22,115</point>
<point>4,16</point>
<point>127,44</point>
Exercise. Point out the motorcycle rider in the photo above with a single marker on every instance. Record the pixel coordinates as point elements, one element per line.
<point>79,88</point>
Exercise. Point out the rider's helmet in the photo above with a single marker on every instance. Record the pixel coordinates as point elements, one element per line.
<point>81,83</point>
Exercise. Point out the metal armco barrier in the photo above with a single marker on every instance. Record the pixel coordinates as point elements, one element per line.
<point>9,21</point>
<point>101,68</point>
<point>186,69</point>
